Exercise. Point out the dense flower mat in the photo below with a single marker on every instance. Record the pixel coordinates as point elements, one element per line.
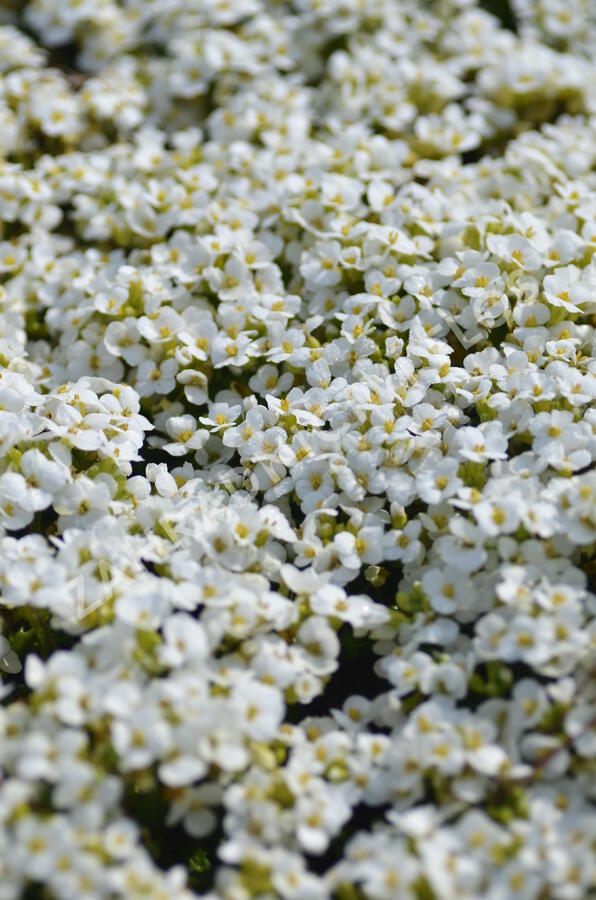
<point>297,431</point>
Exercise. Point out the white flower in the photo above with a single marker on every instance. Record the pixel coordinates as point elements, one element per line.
<point>403,544</point>
<point>140,739</point>
<point>193,806</point>
<point>221,415</point>
<point>185,641</point>
<point>447,590</point>
<point>144,611</point>
<point>186,435</point>
<point>498,516</point>
<point>259,709</point>
<point>321,270</point>
<point>438,480</point>
<point>358,611</point>
<point>154,378</point>
<point>516,250</point>
<point>566,289</point>
<point>482,443</point>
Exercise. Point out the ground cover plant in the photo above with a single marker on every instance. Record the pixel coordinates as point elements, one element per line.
<point>297,431</point>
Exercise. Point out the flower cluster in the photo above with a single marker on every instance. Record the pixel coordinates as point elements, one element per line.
<point>297,442</point>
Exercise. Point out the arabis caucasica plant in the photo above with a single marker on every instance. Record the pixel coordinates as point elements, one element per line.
<point>297,441</point>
